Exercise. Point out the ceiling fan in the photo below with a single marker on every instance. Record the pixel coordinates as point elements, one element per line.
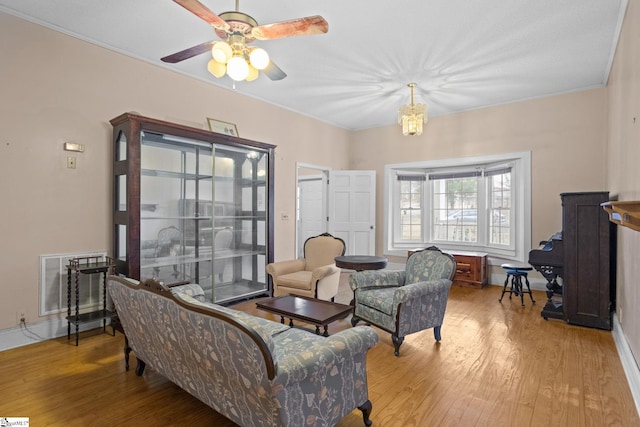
<point>233,55</point>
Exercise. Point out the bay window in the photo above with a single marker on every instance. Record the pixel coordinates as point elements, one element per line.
<point>473,204</point>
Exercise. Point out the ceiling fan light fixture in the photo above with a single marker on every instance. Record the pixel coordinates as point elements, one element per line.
<point>221,52</point>
<point>259,58</point>
<point>253,73</point>
<point>238,68</point>
<point>236,29</point>
<point>412,117</point>
<point>216,68</point>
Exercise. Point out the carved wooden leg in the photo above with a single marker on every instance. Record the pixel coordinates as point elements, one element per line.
<point>397,342</point>
<point>526,279</point>
<point>366,412</point>
<point>504,289</point>
<point>354,320</point>
<point>436,333</point>
<point>140,368</point>
<point>127,350</point>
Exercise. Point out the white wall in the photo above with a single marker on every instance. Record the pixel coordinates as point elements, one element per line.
<point>623,171</point>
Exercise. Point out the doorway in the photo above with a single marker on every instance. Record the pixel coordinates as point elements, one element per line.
<point>311,203</point>
<point>338,202</point>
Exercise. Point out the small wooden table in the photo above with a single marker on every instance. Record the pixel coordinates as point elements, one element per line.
<point>305,309</point>
<point>88,265</point>
<point>361,262</point>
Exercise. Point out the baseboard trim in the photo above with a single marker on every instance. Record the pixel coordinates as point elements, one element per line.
<point>629,363</point>
<point>31,333</point>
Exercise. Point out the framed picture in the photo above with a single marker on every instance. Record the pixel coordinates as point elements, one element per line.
<point>222,127</point>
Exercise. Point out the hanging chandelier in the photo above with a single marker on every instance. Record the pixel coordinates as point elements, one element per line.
<point>236,59</point>
<point>412,116</point>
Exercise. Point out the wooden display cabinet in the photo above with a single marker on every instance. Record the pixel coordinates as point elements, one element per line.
<point>192,206</point>
<point>471,269</point>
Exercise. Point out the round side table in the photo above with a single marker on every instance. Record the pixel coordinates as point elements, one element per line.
<point>361,262</point>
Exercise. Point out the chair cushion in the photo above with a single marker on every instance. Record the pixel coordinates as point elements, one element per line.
<point>380,299</point>
<point>297,280</point>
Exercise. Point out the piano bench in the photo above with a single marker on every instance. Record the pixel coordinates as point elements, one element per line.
<point>516,273</point>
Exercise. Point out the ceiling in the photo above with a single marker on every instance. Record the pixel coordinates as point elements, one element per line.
<point>461,54</point>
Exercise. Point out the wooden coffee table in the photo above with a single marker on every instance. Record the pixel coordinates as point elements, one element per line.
<point>309,310</point>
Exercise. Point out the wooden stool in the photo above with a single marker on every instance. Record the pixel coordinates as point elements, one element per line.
<point>516,273</point>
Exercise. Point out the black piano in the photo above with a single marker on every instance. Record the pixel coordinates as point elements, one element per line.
<point>549,261</point>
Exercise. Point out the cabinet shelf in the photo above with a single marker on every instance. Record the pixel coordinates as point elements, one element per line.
<point>175,175</point>
<point>203,218</point>
<point>626,213</point>
<point>190,259</point>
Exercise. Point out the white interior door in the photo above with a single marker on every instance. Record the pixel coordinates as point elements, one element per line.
<point>352,210</point>
<point>312,208</point>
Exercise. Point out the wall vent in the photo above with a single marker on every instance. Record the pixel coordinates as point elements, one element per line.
<point>53,285</point>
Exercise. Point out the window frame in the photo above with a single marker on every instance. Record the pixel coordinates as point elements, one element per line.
<point>397,202</point>
<point>520,221</point>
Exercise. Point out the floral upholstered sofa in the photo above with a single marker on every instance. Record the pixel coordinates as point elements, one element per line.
<point>253,371</point>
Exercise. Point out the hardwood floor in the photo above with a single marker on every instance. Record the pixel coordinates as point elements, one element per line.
<point>497,365</point>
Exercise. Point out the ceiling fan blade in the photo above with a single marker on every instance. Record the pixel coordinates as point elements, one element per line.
<point>297,27</point>
<point>204,13</point>
<point>188,53</point>
<point>274,72</point>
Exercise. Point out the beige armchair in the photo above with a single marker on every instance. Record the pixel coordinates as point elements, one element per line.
<point>315,275</point>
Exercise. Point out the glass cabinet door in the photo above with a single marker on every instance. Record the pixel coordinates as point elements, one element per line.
<point>239,222</point>
<point>176,222</point>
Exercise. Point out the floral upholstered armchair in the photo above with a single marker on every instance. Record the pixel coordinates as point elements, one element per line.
<point>315,275</point>
<point>404,302</point>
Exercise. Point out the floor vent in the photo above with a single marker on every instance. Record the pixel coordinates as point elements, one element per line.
<point>53,284</point>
